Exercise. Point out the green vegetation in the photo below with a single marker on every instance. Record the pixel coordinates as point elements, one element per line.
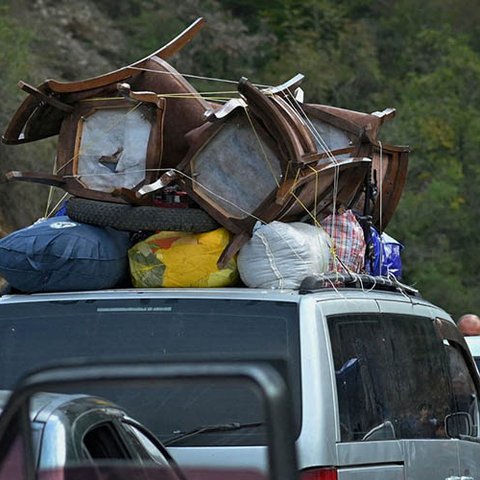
<point>420,57</point>
<point>14,53</point>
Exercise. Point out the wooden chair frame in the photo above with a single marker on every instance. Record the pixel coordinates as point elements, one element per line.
<point>54,107</point>
<point>42,112</point>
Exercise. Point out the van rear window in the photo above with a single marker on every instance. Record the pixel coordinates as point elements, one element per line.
<point>36,334</point>
<point>396,378</point>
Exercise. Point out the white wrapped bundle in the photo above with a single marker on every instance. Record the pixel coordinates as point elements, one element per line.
<point>281,255</point>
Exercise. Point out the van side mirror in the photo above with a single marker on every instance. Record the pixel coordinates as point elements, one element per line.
<point>458,424</point>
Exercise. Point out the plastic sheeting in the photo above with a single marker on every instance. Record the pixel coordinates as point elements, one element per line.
<point>387,255</point>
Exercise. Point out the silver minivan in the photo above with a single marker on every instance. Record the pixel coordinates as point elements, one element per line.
<point>382,382</point>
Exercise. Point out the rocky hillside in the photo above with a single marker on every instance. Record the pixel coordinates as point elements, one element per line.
<point>66,40</point>
<point>74,40</point>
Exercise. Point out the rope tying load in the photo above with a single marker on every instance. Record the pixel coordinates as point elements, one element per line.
<point>256,153</point>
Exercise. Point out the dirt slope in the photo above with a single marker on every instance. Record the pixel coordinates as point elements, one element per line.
<point>70,41</point>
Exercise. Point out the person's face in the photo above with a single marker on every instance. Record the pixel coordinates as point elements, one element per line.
<point>425,413</point>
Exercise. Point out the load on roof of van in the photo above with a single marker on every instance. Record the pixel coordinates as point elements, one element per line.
<point>140,149</point>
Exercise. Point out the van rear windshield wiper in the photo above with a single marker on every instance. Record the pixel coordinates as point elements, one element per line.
<point>220,427</point>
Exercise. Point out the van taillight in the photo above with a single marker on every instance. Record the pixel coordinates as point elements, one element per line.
<point>329,473</point>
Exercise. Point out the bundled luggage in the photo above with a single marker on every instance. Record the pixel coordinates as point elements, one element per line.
<point>386,255</point>
<point>61,255</point>
<point>348,241</point>
<point>182,259</point>
<point>281,255</point>
<point>150,155</point>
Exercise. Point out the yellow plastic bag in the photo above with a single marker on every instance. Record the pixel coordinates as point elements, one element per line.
<point>181,259</point>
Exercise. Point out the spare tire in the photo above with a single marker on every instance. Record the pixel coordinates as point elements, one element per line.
<point>133,218</point>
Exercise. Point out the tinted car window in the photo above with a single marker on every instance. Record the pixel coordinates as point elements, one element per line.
<point>33,334</point>
<point>143,446</point>
<point>393,377</point>
<point>464,396</point>
<point>103,441</point>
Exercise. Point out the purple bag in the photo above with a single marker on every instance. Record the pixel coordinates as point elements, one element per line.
<point>387,255</point>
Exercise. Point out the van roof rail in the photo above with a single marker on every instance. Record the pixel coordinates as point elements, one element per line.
<point>314,283</point>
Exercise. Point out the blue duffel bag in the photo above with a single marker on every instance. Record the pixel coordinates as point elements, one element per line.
<point>59,254</point>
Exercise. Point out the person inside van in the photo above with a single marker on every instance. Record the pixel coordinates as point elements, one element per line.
<point>425,425</point>
<point>440,430</point>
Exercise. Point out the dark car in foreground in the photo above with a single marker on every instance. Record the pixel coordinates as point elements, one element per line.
<point>74,429</point>
<point>87,442</point>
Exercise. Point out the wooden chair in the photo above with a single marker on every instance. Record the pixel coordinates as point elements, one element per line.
<point>258,160</point>
<point>99,153</point>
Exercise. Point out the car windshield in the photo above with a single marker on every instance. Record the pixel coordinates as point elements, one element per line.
<point>477,361</point>
<point>474,346</point>
<point>35,334</point>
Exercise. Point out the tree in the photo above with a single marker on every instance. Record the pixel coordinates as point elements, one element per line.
<point>224,49</point>
<point>438,217</point>
<point>336,53</point>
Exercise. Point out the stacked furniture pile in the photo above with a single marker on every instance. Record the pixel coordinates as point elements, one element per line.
<point>192,180</point>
